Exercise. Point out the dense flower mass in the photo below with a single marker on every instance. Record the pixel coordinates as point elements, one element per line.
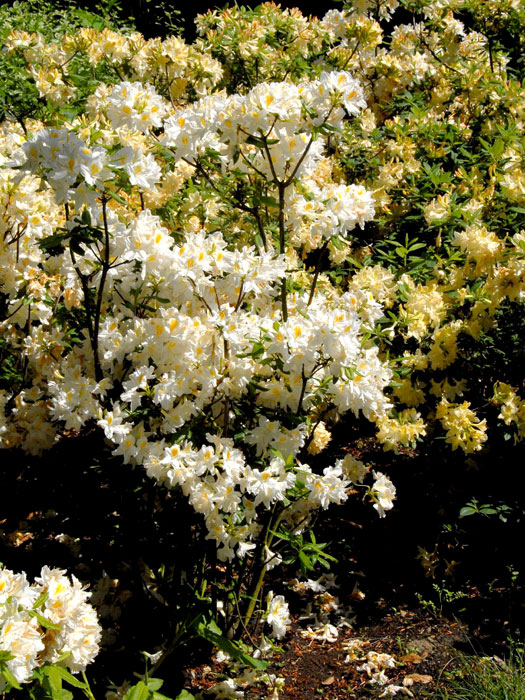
<point>189,325</point>
<point>47,621</point>
<point>225,248</point>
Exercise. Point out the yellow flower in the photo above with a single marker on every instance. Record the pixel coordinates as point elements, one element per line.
<point>320,439</point>
<point>464,428</point>
<point>403,430</point>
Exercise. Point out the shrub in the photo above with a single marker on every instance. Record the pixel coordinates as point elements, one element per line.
<point>213,252</point>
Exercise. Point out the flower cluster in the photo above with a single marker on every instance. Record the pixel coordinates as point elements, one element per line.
<point>285,129</point>
<point>277,615</point>
<point>189,330</point>
<point>183,328</point>
<point>48,621</point>
<point>451,265</point>
<point>512,407</point>
<point>176,67</point>
<point>190,262</point>
<point>464,428</point>
<point>375,667</point>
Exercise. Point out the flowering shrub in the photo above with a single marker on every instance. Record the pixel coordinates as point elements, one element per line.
<point>216,251</point>
<point>197,348</point>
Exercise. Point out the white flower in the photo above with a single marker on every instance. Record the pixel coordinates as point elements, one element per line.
<point>352,468</point>
<point>227,690</point>
<point>66,605</point>
<point>384,493</point>
<point>16,586</point>
<point>323,632</point>
<point>342,83</point>
<point>21,636</point>
<point>136,106</point>
<point>142,168</point>
<point>112,424</point>
<point>277,615</point>
<point>329,488</point>
<point>77,633</point>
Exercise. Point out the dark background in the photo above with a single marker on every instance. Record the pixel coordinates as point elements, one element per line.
<point>152,18</point>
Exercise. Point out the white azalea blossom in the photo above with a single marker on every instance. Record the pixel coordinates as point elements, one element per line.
<point>211,349</point>
<point>278,615</point>
<point>77,633</point>
<point>384,493</point>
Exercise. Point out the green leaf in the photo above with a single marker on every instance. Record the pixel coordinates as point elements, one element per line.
<point>39,602</point>
<point>497,148</point>
<point>140,691</point>
<point>269,201</point>
<point>8,676</point>
<point>53,678</point>
<point>257,350</point>
<point>254,141</point>
<point>52,241</point>
<point>116,197</point>
<point>306,563</point>
<point>76,248</point>
<point>67,676</point>
<point>109,5</point>
<point>43,621</point>
<point>185,695</point>
<point>154,683</point>
<point>467,510</point>
<point>212,633</point>
<point>283,535</point>
<point>88,19</point>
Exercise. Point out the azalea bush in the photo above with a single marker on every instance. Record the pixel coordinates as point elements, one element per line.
<point>19,96</point>
<point>214,253</point>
